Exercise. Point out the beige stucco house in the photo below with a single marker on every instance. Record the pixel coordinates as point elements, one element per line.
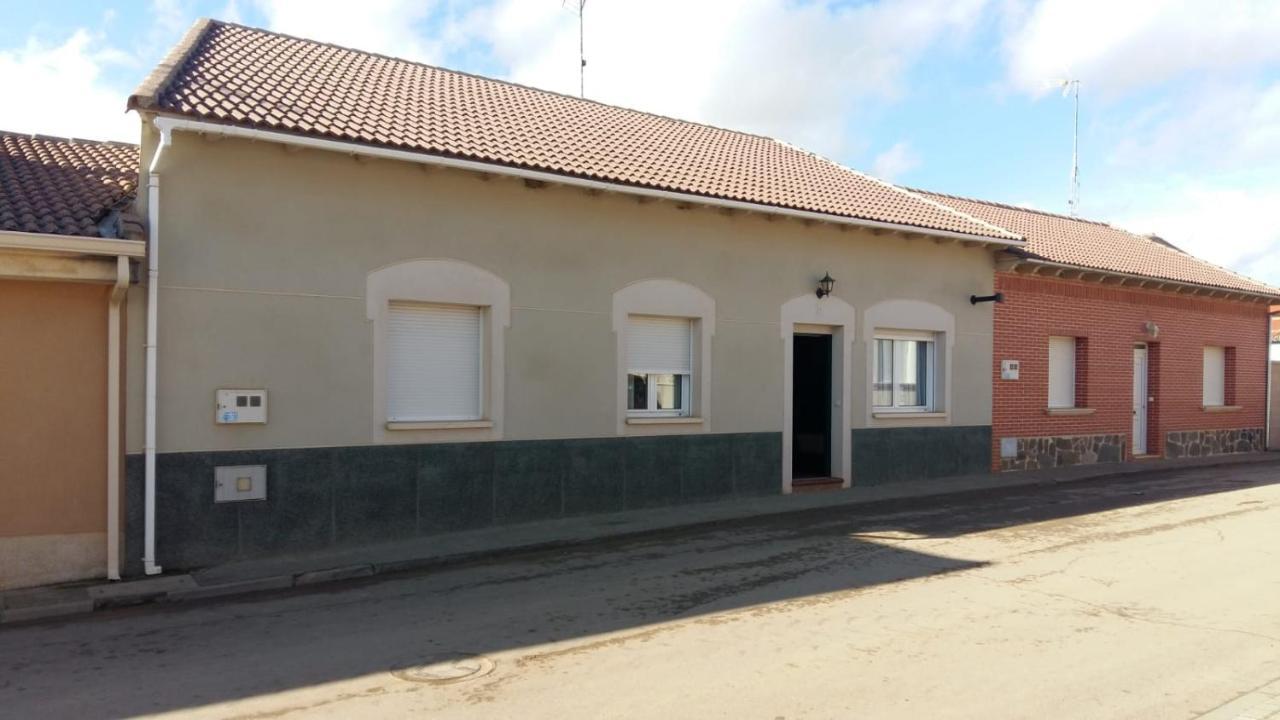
<point>68,246</point>
<point>393,300</point>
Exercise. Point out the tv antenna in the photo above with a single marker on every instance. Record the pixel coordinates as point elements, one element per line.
<point>1072,87</point>
<point>582,58</point>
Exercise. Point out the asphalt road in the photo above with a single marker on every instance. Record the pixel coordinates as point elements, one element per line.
<point>1150,598</point>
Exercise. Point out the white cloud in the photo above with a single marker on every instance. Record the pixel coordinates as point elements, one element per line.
<point>896,161</point>
<point>63,91</point>
<point>1115,47</point>
<point>1221,125</point>
<point>1235,227</point>
<point>795,71</point>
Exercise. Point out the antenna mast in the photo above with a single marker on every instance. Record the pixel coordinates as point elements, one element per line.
<point>1073,201</point>
<point>582,58</point>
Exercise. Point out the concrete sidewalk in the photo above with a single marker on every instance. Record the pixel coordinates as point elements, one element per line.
<point>439,550</point>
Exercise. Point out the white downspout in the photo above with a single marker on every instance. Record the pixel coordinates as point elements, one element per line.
<point>153,305</point>
<point>113,417</point>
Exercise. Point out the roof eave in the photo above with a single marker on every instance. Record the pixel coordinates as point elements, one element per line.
<point>167,122</point>
<point>1027,265</point>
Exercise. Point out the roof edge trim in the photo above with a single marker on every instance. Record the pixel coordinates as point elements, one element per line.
<point>148,91</point>
<point>71,244</point>
<point>169,123</point>
<point>1013,261</point>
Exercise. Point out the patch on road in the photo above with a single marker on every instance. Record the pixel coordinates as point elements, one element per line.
<point>445,669</point>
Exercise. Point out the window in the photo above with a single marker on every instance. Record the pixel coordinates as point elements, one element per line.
<point>1215,375</point>
<point>434,365</point>
<point>1062,372</point>
<point>659,365</point>
<point>904,372</point>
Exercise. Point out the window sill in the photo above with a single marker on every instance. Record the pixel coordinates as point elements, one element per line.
<point>674,420</point>
<point>907,415</point>
<point>1071,411</point>
<point>1221,408</point>
<point>439,425</point>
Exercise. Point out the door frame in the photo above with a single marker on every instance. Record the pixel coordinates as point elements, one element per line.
<point>1140,401</point>
<point>833,315</point>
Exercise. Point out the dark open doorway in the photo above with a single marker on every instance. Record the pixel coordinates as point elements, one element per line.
<point>811,406</point>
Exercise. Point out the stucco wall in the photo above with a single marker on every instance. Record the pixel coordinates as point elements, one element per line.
<point>265,254</point>
<point>53,371</point>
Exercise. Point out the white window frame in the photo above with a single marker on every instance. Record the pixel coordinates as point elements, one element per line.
<point>1221,399</point>
<point>1070,371</point>
<point>931,371</point>
<point>685,379</point>
<point>481,367</point>
<point>666,297</point>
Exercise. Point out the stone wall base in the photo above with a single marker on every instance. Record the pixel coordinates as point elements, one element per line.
<point>1041,453</point>
<point>1205,443</point>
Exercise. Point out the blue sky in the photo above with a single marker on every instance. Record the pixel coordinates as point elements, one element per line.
<point>1180,112</point>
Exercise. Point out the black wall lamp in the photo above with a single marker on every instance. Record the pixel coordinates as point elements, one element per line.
<point>825,285</point>
<point>975,299</point>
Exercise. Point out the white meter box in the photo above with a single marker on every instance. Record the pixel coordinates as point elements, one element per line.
<point>233,483</point>
<point>234,407</point>
<point>1009,369</point>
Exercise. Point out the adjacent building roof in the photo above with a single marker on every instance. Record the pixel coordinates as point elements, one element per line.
<point>62,186</point>
<point>1096,245</point>
<point>247,77</point>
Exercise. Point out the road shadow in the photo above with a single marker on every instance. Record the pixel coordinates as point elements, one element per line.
<point>139,661</point>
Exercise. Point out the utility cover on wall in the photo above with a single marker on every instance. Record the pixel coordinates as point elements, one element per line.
<point>233,483</point>
<point>234,407</point>
<point>1009,369</point>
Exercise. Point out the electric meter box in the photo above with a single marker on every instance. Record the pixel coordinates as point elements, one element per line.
<point>238,407</point>
<point>233,483</point>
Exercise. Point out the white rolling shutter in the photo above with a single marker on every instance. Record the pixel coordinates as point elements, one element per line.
<point>659,345</point>
<point>434,365</point>
<point>1215,374</point>
<point>1062,372</point>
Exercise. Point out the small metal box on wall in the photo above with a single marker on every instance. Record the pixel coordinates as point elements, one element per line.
<point>235,407</point>
<point>233,483</point>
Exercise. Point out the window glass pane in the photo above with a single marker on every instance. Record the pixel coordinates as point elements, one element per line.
<point>637,392</point>
<point>924,373</point>
<point>668,391</point>
<point>882,389</point>
<point>911,373</point>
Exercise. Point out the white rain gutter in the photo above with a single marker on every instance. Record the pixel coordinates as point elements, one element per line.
<point>113,416</point>
<point>167,125</point>
<point>153,305</point>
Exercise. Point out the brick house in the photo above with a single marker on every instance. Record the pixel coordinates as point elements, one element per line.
<point>1112,346</point>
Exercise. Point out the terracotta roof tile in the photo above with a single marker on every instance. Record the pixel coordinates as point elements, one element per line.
<point>62,186</point>
<point>233,74</point>
<point>1096,245</point>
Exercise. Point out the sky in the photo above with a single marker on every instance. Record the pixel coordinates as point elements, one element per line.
<point>1179,127</point>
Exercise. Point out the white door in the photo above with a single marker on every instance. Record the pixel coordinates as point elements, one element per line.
<point>1140,401</point>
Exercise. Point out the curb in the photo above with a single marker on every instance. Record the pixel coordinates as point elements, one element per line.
<point>46,603</point>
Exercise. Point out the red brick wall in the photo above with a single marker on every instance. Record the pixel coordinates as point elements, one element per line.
<point>1112,320</point>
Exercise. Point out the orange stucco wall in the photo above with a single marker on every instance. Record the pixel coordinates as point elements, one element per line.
<point>53,397</point>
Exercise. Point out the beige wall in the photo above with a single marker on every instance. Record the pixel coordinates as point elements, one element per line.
<point>265,254</point>
<point>53,369</point>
